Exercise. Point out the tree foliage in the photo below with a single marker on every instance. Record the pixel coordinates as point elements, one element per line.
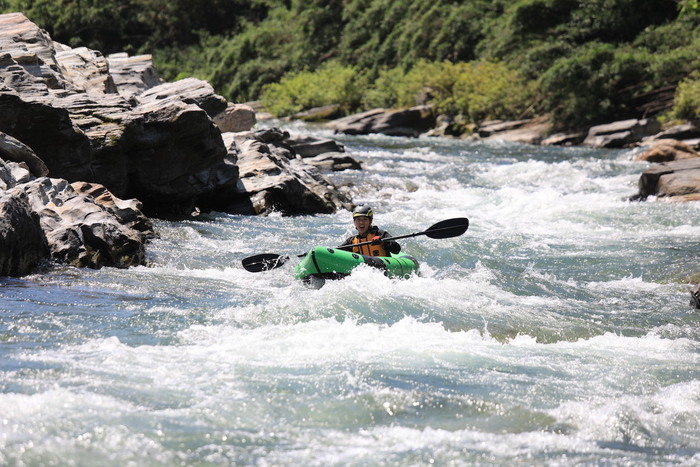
<point>584,61</point>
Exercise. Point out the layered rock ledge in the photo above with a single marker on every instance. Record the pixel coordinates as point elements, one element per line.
<point>91,145</point>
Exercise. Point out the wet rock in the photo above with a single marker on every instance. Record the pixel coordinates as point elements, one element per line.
<point>695,296</point>
<point>312,147</point>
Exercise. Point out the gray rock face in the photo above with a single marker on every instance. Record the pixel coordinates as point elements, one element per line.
<point>22,242</point>
<point>674,180</point>
<point>405,122</point>
<point>621,134</point>
<point>113,122</point>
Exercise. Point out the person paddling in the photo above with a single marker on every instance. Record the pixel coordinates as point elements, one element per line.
<point>362,217</point>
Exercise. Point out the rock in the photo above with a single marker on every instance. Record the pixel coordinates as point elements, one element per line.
<point>529,131</point>
<point>665,150</point>
<point>86,69</point>
<point>270,181</point>
<point>687,133</point>
<point>190,91</point>
<point>22,242</point>
<point>153,141</point>
<point>319,114</point>
<point>311,147</point>
<point>410,122</point>
<point>132,75</point>
<point>79,231</point>
<point>563,139</point>
<point>695,296</point>
<point>674,181</point>
<point>168,143</point>
<point>236,118</point>
<point>129,212</point>
<point>621,134</point>
<point>334,162</point>
<point>15,151</point>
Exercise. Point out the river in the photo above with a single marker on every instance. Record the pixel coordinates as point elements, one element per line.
<point>556,331</point>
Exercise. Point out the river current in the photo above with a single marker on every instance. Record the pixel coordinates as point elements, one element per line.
<point>556,331</point>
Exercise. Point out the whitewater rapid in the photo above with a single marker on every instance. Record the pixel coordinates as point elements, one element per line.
<point>556,331</point>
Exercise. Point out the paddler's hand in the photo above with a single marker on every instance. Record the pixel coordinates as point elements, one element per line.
<point>377,241</point>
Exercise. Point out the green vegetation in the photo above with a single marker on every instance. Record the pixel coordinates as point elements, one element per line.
<point>581,61</point>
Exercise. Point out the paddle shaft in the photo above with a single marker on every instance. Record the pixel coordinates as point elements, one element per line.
<point>399,237</point>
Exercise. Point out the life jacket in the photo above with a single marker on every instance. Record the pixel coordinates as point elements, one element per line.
<point>368,250</point>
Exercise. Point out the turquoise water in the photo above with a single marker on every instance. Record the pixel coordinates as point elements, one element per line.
<point>556,331</point>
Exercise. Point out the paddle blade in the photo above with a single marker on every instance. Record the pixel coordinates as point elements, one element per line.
<point>264,262</point>
<point>448,228</point>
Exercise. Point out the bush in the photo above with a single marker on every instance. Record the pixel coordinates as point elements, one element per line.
<point>482,90</point>
<point>595,84</point>
<point>687,100</point>
<point>331,84</point>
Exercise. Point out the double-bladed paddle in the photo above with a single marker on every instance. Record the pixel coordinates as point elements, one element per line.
<point>444,229</point>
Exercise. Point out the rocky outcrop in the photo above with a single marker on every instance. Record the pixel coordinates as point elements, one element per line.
<point>114,122</point>
<point>22,242</point>
<point>621,134</point>
<point>86,136</point>
<point>695,296</point>
<point>673,181</point>
<point>236,118</point>
<point>410,122</point>
<point>665,150</point>
<point>45,219</point>
<point>528,131</point>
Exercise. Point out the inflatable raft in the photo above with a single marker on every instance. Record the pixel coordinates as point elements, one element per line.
<point>331,263</point>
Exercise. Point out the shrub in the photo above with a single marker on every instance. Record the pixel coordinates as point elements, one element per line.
<point>479,91</point>
<point>593,85</point>
<point>332,83</point>
<point>687,100</point>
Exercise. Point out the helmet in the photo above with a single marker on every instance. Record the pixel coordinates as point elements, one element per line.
<point>363,210</point>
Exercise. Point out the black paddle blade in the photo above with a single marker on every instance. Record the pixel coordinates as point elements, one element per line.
<point>448,228</point>
<point>264,262</point>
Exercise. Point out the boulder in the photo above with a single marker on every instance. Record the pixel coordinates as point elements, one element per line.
<point>16,151</point>
<point>113,122</point>
<point>621,134</point>
<point>312,147</point>
<point>529,131</point>
<point>687,133</point>
<point>86,69</point>
<point>132,75</point>
<point>411,122</point>
<point>333,162</point>
<point>665,150</point>
<point>22,242</point>
<point>272,181</point>
<point>236,118</point>
<point>695,296</point>
<point>79,231</point>
<point>674,180</point>
<point>188,90</point>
